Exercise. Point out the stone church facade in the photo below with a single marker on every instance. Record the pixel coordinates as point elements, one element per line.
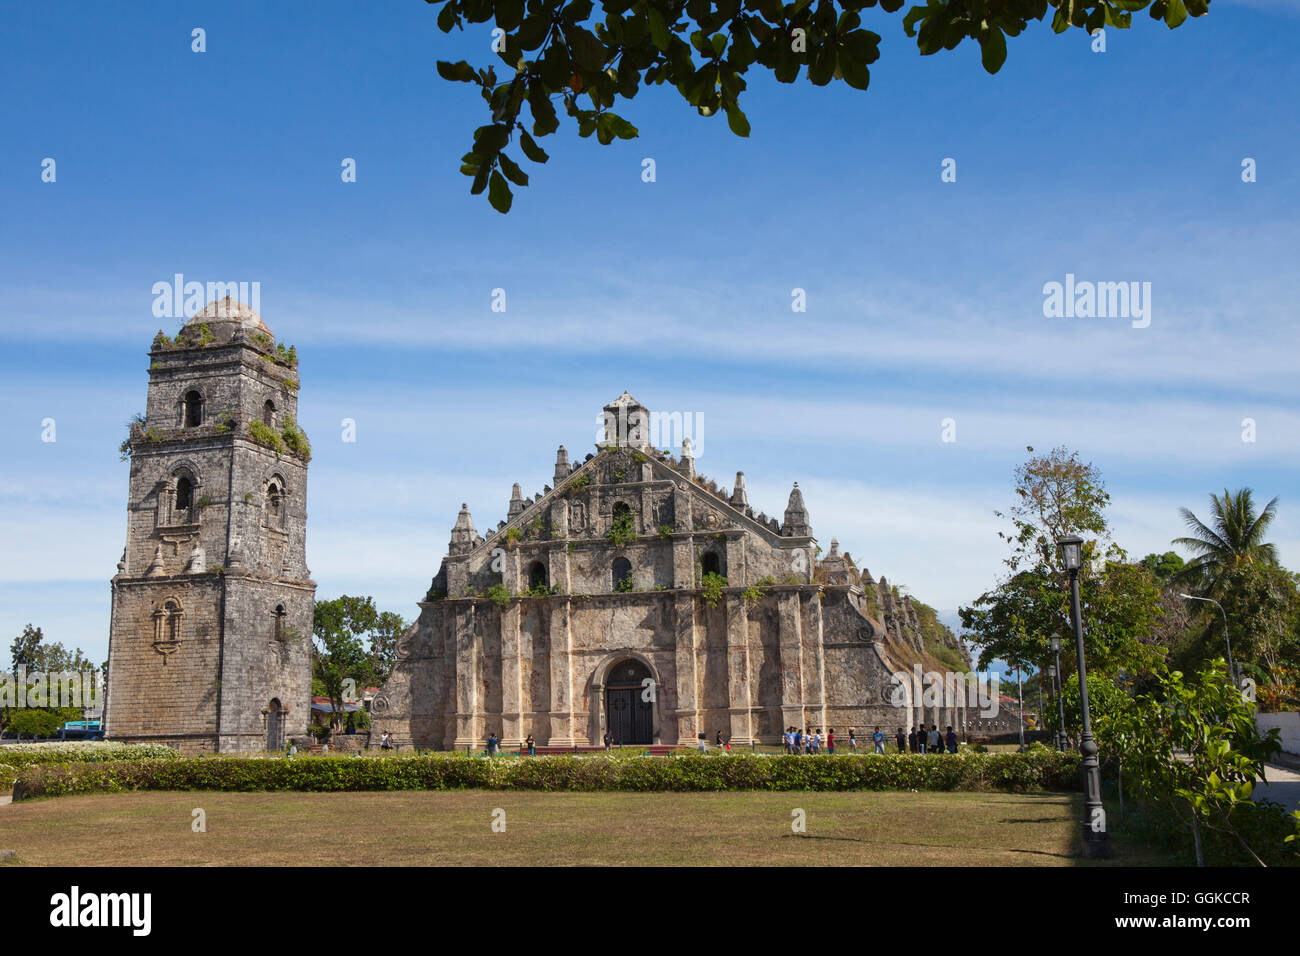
<point>637,598</point>
<point>210,635</point>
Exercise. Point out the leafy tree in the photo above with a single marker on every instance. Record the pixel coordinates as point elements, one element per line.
<point>1057,493</point>
<point>1192,748</point>
<point>353,641</point>
<point>1233,536</point>
<point>1263,609</point>
<point>1163,567</point>
<point>583,58</point>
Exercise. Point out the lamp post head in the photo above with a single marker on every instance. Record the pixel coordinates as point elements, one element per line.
<point>1055,641</point>
<point>1071,548</point>
<point>1051,670</point>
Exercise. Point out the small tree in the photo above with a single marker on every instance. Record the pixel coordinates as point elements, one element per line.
<point>1193,747</point>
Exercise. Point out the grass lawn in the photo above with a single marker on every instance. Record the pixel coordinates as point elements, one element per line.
<point>454,828</point>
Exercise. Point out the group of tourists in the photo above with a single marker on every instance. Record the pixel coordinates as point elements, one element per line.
<point>922,741</point>
<point>802,741</point>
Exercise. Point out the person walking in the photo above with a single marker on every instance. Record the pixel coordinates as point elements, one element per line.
<point>936,746</point>
<point>901,739</point>
<point>807,742</point>
<point>951,740</point>
<point>922,738</point>
<point>608,739</point>
<point>878,741</point>
<point>830,741</point>
<point>717,741</point>
<point>853,741</point>
<point>798,740</point>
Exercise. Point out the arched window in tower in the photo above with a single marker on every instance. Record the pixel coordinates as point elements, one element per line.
<point>710,563</point>
<point>280,615</point>
<point>173,629</point>
<point>268,414</point>
<point>274,505</point>
<point>622,574</point>
<point>193,409</point>
<point>184,496</point>
<point>537,576</point>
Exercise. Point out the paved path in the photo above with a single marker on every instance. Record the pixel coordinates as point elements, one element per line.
<point>1283,787</point>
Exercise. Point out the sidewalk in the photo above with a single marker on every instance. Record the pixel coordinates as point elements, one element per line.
<point>1283,787</point>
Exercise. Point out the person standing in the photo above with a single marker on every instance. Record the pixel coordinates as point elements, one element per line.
<point>532,746</point>
<point>704,744</point>
<point>717,741</point>
<point>936,745</point>
<point>877,741</point>
<point>830,741</point>
<point>921,738</point>
<point>901,739</point>
<point>853,741</point>
<point>608,739</point>
<point>952,740</point>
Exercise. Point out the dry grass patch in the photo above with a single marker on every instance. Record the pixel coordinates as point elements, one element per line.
<point>607,829</point>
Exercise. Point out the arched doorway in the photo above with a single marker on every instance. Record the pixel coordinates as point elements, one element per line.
<point>274,726</point>
<point>629,707</point>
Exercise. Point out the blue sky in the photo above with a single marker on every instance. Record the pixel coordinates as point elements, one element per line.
<point>924,297</point>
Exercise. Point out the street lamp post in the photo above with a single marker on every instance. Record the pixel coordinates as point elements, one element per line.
<point>1060,688</point>
<point>1232,667</point>
<point>1096,838</point>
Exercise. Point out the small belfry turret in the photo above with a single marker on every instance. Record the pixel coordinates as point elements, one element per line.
<point>739,499</point>
<point>516,503</point>
<point>626,424</point>
<point>463,535</point>
<point>796,516</point>
<point>687,465</point>
<point>562,467</point>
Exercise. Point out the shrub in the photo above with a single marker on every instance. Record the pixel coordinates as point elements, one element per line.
<point>622,530</point>
<point>82,751</point>
<point>711,586</point>
<point>1050,770</point>
<point>499,595</point>
<point>264,434</point>
<point>295,439</point>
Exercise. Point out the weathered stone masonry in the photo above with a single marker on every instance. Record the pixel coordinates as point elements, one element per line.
<point>556,622</point>
<point>209,645</point>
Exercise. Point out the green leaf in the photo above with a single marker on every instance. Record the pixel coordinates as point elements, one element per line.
<point>532,31</point>
<point>737,120</point>
<point>993,49</point>
<point>1175,13</point>
<point>512,170</point>
<point>460,72</point>
<point>447,18</point>
<point>499,193</point>
<point>853,70</point>
<point>531,149</point>
<point>658,30</point>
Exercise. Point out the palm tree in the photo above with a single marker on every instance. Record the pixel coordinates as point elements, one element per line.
<point>1234,536</point>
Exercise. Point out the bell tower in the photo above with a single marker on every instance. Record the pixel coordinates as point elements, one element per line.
<point>210,635</point>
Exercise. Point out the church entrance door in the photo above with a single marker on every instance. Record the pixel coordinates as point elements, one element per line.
<point>629,711</point>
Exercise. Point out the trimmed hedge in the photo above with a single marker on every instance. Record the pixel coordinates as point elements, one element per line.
<point>1033,770</point>
<point>78,751</point>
